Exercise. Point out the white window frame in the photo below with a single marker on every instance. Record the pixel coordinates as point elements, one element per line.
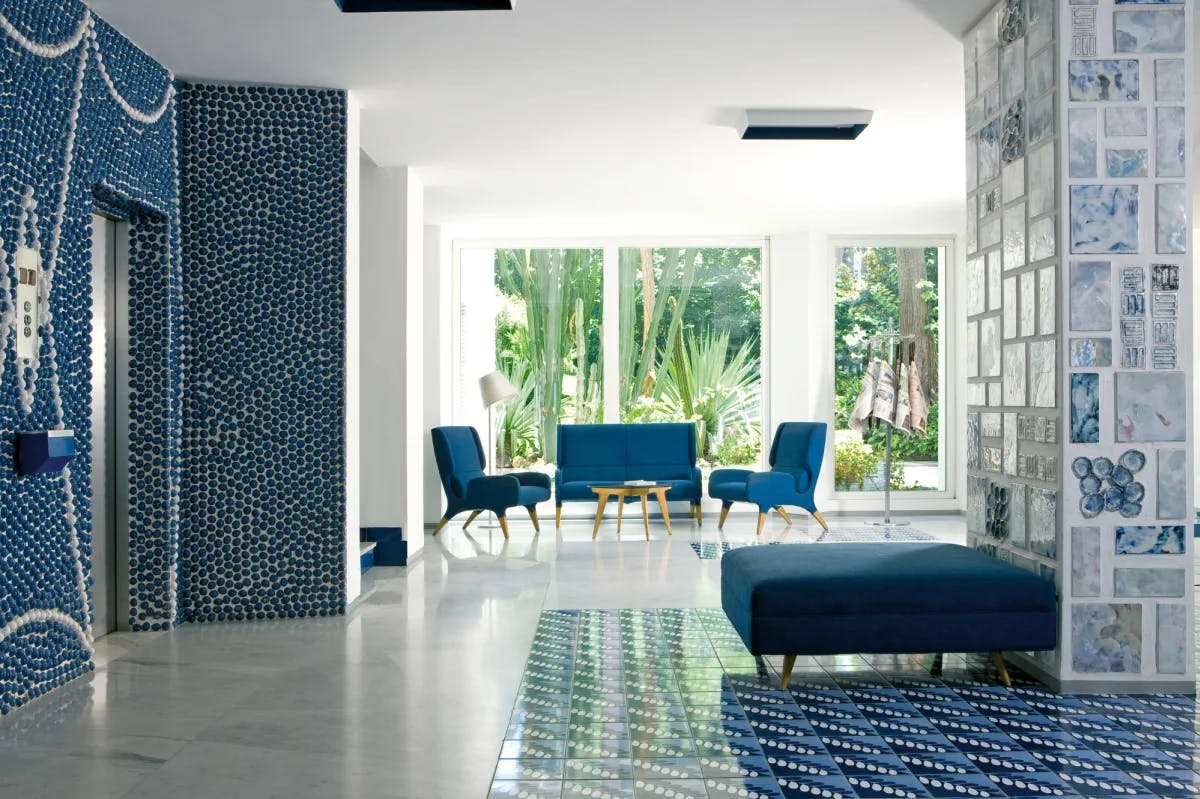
<point>950,454</point>
<point>461,390</point>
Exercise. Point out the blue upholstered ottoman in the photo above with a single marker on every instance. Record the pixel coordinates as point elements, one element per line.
<point>830,599</point>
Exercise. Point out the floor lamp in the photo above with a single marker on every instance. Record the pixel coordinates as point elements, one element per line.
<point>494,389</point>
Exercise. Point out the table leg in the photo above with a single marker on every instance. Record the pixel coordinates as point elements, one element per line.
<point>620,513</point>
<point>645,518</point>
<point>601,502</point>
<point>662,503</point>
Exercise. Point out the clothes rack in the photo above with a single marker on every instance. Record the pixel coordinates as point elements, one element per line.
<point>888,341</point>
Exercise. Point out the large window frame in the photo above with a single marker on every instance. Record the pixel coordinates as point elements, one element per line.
<point>949,307</point>
<point>464,393</point>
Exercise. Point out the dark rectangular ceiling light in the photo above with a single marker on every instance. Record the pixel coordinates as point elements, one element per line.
<point>804,133</point>
<point>805,124</point>
<point>372,6</point>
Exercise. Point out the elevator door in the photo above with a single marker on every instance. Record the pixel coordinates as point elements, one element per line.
<point>110,556</point>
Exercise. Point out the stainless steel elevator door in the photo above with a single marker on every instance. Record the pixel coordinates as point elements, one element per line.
<point>109,346</point>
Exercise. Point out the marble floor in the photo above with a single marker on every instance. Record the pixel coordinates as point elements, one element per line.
<point>410,695</point>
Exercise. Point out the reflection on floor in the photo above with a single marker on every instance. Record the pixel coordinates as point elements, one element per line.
<point>625,704</point>
<point>712,550</point>
<point>410,695</point>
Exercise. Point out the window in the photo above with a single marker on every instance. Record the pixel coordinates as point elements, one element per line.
<point>690,345</point>
<point>877,288</point>
<point>684,344</point>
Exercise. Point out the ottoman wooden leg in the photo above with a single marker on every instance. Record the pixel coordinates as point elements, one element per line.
<point>998,659</point>
<point>789,662</point>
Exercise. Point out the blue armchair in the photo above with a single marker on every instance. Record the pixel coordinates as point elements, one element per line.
<point>460,461</point>
<point>796,455</point>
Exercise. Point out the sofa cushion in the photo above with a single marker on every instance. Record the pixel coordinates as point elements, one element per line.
<point>664,444</point>
<point>591,445</point>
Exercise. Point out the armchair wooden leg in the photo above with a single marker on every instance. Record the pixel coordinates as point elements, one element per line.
<point>537,527</point>
<point>442,522</point>
<point>820,520</point>
<point>787,519</point>
<point>998,659</point>
<point>762,519</point>
<point>558,515</point>
<point>471,518</point>
<point>724,513</point>
<point>789,662</point>
<point>504,526</point>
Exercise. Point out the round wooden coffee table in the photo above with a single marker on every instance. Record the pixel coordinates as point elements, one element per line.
<point>620,492</point>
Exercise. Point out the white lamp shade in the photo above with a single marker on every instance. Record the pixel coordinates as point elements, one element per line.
<point>494,387</point>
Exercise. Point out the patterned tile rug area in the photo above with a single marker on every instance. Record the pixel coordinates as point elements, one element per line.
<point>626,704</point>
<point>712,550</point>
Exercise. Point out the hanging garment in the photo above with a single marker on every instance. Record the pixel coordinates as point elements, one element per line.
<point>866,396</point>
<point>902,400</point>
<point>883,407</point>
<point>918,405</point>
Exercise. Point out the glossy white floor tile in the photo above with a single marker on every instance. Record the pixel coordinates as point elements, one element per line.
<point>408,696</point>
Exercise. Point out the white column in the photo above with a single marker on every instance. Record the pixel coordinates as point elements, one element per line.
<point>353,254</point>
<point>438,361</point>
<point>392,317</point>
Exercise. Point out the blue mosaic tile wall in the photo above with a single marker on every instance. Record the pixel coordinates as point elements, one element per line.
<point>86,120</point>
<point>264,209</point>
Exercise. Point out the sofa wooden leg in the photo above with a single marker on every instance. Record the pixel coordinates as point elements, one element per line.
<point>558,515</point>
<point>699,515</point>
<point>762,520</point>
<point>724,513</point>
<point>442,522</point>
<point>504,526</point>
<point>787,519</point>
<point>789,662</point>
<point>820,520</point>
<point>474,515</point>
<point>998,660</point>
<point>537,527</point>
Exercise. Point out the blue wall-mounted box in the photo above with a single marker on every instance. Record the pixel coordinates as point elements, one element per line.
<point>390,547</point>
<point>44,451</point>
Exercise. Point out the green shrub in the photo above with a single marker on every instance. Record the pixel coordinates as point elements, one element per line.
<point>853,463</point>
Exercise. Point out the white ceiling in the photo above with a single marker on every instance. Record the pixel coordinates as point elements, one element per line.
<point>607,116</point>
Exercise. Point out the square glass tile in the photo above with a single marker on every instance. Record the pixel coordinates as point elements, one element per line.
<point>625,704</point>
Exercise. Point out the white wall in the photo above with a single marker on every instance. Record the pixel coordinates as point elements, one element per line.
<point>800,342</point>
<point>353,343</point>
<point>392,324</point>
<point>438,363</point>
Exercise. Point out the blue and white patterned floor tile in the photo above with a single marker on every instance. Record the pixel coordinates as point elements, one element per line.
<point>667,703</point>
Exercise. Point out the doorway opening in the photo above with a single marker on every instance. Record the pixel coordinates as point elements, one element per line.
<point>110,424</point>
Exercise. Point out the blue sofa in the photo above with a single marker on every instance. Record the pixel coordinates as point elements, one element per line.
<point>594,454</point>
<point>837,599</point>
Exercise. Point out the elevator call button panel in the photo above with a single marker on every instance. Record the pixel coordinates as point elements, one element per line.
<point>28,277</point>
